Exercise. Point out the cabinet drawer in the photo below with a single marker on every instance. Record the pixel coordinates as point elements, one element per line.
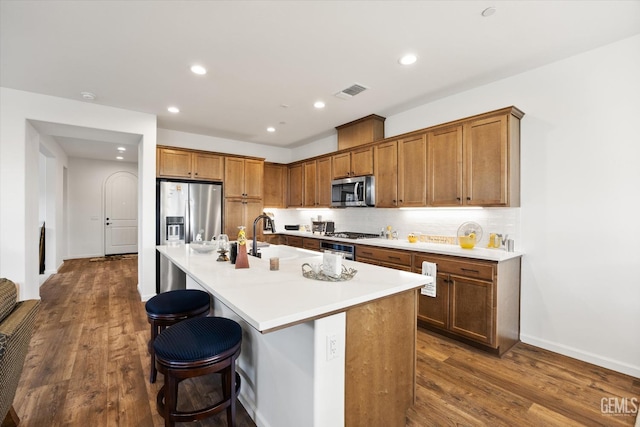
<point>294,241</point>
<point>384,255</point>
<point>311,244</point>
<point>466,268</point>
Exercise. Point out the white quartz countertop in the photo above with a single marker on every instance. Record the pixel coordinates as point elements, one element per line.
<point>269,300</point>
<point>434,248</point>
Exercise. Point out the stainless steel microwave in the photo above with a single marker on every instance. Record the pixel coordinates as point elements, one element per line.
<point>356,191</point>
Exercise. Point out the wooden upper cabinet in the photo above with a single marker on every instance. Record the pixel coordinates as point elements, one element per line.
<point>412,171</point>
<point>444,167</point>
<point>317,183</point>
<point>309,192</point>
<point>323,176</point>
<point>357,162</point>
<point>362,131</point>
<point>341,165</point>
<point>275,184</point>
<point>179,163</point>
<point>243,178</point>
<point>492,161</point>
<point>386,174</point>
<point>208,166</point>
<point>296,179</point>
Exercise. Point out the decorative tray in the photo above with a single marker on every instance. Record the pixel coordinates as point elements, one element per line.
<point>309,272</point>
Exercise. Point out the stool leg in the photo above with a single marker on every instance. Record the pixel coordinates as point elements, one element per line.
<point>230,388</point>
<point>154,334</point>
<point>170,398</point>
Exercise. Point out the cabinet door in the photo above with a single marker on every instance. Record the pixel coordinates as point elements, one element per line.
<point>241,211</point>
<point>208,166</point>
<point>275,179</point>
<point>233,217</point>
<point>486,157</point>
<point>311,244</point>
<point>471,308</point>
<point>323,188</point>
<point>233,177</point>
<point>253,209</point>
<point>341,165</point>
<point>444,166</point>
<point>386,162</point>
<point>435,310</point>
<point>309,192</point>
<point>295,186</point>
<point>174,163</point>
<point>412,171</point>
<point>254,178</point>
<point>362,162</point>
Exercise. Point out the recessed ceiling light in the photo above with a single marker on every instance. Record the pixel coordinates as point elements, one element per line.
<point>408,59</point>
<point>122,149</point>
<point>318,104</point>
<point>88,96</point>
<point>173,109</point>
<point>198,69</point>
<point>271,129</point>
<point>488,11</point>
<point>119,157</point>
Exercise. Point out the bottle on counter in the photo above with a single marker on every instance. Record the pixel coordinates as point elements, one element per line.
<point>242,259</point>
<point>388,234</point>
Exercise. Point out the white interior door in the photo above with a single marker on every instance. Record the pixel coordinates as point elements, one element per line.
<point>121,214</point>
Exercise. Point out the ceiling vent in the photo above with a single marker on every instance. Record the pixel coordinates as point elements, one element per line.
<point>351,91</point>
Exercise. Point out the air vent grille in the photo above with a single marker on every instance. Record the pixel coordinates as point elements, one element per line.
<point>351,91</point>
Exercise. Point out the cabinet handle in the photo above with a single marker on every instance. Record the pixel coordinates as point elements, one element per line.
<point>366,253</point>
<point>469,270</point>
<point>394,257</point>
<point>401,200</point>
<point>196,174</point>
<point>458,198</point>
<point>468,198</point>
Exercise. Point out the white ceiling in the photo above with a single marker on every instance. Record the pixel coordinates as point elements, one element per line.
<point>264,55</point>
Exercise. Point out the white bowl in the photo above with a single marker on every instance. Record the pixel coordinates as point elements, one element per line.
<point>204,247</point>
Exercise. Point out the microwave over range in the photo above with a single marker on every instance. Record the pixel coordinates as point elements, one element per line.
<point>356,191</point>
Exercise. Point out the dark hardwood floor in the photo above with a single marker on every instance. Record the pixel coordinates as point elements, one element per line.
<point>88,366</point>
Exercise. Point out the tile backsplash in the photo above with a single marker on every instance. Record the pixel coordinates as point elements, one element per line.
<point>432,221</point>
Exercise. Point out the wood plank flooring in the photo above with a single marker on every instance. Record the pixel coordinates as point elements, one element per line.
<point>88,366</point>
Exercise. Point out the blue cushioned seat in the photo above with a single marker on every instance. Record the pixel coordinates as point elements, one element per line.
<point>197,339</point>
<point>192,348</point>
<point>169,308</point>
<point>179,301</point>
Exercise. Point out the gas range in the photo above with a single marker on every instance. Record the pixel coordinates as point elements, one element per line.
<point>352,235</point>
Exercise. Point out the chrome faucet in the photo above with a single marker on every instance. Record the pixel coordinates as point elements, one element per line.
<point>254,247</point>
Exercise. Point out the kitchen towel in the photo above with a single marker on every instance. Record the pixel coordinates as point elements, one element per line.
<point>429,269</point>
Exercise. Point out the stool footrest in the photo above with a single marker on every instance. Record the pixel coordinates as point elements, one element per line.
<point>198,414</point>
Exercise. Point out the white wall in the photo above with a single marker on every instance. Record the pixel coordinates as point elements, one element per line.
<point>175,138</point>
<point>580,180</point>
<point>87,203</point>
<point>19,160</point>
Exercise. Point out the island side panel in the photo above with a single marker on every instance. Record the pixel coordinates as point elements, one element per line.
<point>380,360</point>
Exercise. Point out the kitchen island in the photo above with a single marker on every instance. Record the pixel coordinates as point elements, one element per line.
<point>315,353</point>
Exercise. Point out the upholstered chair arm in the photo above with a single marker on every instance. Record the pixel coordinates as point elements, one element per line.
<point>15,334</point>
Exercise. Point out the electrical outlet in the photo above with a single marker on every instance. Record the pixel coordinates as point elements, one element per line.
<point>332,347</point>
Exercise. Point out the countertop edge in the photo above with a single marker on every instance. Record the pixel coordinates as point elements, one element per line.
<point>433,248</point>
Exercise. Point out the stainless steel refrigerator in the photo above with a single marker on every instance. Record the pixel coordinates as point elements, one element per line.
<point>184,210</point>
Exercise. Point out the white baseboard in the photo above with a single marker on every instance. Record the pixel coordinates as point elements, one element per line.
<point>585,356</point>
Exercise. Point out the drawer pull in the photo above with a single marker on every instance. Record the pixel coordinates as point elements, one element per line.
<point>468,270</point>
<point>367,253</point>
<point>394,257</point>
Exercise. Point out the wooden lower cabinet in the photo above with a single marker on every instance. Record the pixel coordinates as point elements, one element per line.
<point>311,244</point>
<point>399,260</point>
<point>477,301</point>
<point>295,241</point>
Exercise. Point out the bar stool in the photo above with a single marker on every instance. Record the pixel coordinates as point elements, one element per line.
<point>193,348</point>
<point>169,308</point>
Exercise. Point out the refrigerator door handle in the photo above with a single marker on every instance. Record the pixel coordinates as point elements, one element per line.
<point>188,208</point>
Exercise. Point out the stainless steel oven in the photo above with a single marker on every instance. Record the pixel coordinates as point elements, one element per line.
<point>348,251</point>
